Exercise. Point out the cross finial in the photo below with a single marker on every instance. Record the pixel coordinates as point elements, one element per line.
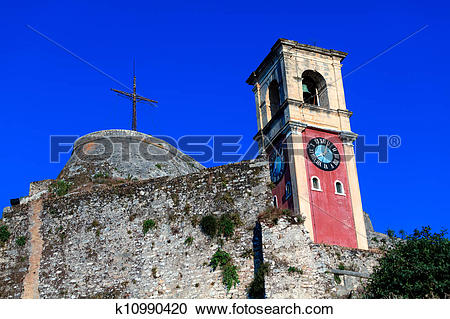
<point>135,98</point>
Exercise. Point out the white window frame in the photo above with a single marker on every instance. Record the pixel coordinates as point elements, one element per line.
<point>312,184</point>
<point>335,188</point>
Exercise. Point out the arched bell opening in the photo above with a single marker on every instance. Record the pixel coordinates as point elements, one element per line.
<point>314,89</point>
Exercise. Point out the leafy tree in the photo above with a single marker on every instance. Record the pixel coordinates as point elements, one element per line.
<point>416,267</point>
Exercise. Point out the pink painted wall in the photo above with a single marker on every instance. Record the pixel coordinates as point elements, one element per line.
<point>332,214</point>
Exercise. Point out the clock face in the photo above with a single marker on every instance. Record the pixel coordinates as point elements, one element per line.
<point>277,165</point>
<point>323,154</point>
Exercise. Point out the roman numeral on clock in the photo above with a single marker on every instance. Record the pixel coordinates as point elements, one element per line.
<point>321,157</point>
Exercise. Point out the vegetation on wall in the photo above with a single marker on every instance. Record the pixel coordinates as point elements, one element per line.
<point>293,270</point>
<point>21,241</point>
<point>222,259</point>
<point>272,215</point>
<point>60,188</point>
<point>224,226</point>
<point>189,241</point>
<point>208,225</point>
<point>147,225</point>
<point>416,267</point>
<point>100,175</point>
<point>230,276</point>
<point>4,234</point>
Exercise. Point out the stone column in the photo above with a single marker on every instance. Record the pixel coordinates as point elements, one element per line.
<point>257,91</point>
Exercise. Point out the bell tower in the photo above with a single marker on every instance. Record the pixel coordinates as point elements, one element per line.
<point>304,127</point>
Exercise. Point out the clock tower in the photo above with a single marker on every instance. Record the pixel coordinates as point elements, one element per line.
<point>304,127</point>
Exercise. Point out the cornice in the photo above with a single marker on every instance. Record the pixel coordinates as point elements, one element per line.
<point>348,137</point>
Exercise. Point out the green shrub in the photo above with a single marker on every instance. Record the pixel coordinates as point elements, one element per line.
<point>4,234</point>
<point>100,175</point>
<point>223,260</point>
<point>189,241</point>
<point>256,288</point>
<point>230,276</point>
<point>21,241</point>
<point>60,188</point>
<point>208,225</point>
<point>148,224</point>
<point>292,269</point>
<point>416,267</point>
<point>390,233</point>
<point>158,166</point>
<point>220,258</point>
<point>226,226</point>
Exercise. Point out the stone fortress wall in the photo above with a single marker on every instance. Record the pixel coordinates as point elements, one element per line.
<point>90,243</point>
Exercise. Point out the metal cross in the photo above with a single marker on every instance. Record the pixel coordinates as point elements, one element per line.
<point>135,98</point>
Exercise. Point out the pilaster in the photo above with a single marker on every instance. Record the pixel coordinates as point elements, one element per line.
<point>358,214</point>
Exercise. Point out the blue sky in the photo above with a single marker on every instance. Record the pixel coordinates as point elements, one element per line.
<point>194,57</point>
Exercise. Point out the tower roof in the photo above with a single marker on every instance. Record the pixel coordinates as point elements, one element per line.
<point>274,51</point>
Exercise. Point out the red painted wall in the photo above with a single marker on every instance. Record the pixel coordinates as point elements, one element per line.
<point>332,214</point>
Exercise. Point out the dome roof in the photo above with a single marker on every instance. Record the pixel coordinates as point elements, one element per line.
<point>125,154</point>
